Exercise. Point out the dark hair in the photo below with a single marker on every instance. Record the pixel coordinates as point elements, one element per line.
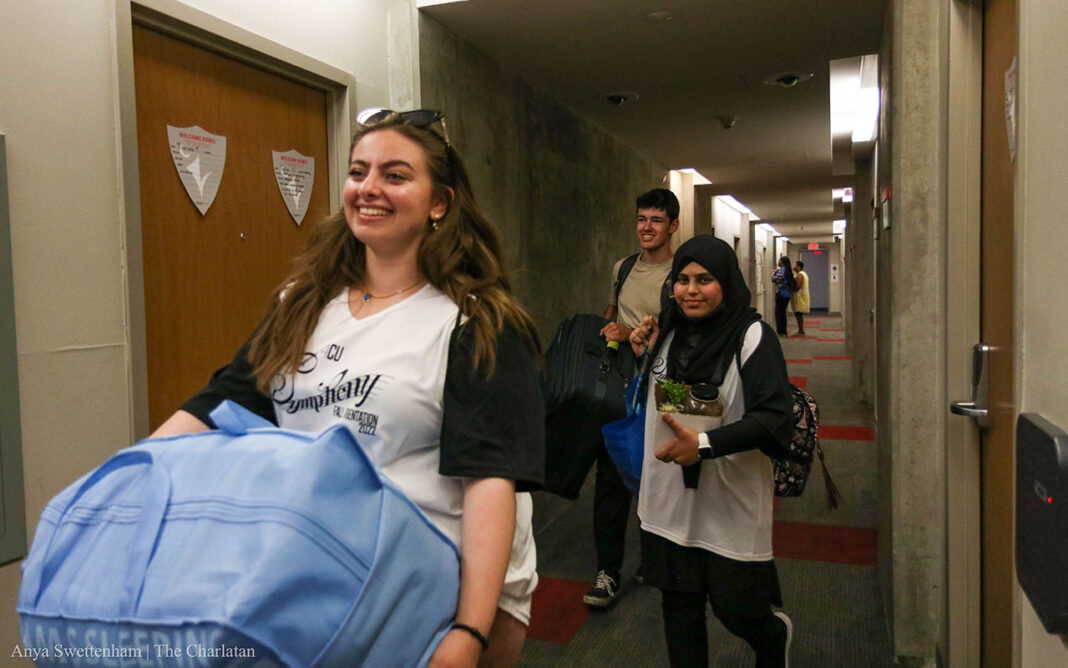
<point>784,262</point>
<point>801,264</point>
<point>460,254</point>
<point>660,198</point>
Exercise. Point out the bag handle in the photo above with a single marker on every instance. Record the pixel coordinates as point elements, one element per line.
<point>235,419</point>
<point>159,488</point>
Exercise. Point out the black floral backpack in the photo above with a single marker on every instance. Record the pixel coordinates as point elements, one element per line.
<point>791,472</point>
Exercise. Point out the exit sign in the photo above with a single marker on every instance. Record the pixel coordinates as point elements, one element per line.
<point>814,246</point>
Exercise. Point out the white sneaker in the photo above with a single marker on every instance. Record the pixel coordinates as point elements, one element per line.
<point>789,635</point>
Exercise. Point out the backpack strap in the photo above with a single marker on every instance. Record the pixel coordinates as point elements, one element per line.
<point>624,270</point>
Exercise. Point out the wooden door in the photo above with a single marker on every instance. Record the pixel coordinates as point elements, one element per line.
<point>996,285</point>
<point>208,278</point>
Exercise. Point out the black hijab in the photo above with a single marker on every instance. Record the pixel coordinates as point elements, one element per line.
<point>703,349</point>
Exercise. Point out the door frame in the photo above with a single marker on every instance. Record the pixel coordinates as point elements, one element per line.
<point>213,34</point>
<point>963,619</point>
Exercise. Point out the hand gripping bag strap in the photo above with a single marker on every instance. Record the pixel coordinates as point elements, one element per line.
<point>145,537</point>
<point>235,419</point>
<point>624,439</point>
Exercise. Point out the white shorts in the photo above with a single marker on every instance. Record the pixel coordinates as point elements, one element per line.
<point>522,575</point>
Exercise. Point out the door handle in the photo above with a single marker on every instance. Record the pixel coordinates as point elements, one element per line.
<point>979,407</point>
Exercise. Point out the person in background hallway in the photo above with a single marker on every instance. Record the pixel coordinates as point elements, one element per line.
<point>632,299</point>
<point>780,281</point>
<point>705,501</point>
<point>800,301</point>
<point>403,292</point>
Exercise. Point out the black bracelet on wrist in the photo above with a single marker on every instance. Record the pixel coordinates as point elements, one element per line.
<point>473,631</point>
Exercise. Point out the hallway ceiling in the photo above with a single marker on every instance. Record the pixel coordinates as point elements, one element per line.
<point>708,61</point>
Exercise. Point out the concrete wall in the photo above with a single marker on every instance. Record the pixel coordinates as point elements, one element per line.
<point>728,223</point>
<point>912,383</point>
<point>860,282</point>
<point>59,108</point>
<point>560,189</point>
<point>1041,200</point>
<point>761,286</point>
<point>733,227</point>
<point>683,187</point>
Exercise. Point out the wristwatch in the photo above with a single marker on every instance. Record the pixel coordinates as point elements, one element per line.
<point>704,449</point>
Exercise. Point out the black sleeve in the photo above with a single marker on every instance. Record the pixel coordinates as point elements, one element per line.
<point>768,420</point>
<point>236,383</point>
<point>495,426</point>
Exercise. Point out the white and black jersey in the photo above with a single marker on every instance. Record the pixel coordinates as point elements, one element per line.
<point>730,511</point>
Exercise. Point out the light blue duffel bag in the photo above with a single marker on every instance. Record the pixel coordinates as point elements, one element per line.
<point>247,546</point>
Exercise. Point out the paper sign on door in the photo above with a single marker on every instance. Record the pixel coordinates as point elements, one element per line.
<point>199,157</point>
<point>1010,107</point>
<point>295,174</point>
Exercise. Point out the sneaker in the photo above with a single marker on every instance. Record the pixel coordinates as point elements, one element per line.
<point>603,592</point>
<point>789,635</point>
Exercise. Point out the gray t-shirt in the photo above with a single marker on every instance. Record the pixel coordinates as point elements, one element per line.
<point>640,295</point>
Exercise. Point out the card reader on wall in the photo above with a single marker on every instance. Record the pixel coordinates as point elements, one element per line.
<point>1042,518</point>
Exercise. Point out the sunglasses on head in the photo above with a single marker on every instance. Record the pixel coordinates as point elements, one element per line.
<point>418,118</point>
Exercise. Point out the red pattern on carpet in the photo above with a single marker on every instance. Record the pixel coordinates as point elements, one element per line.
<point>832,340</point>
<point>800,381</point>
<point>557,611</point>
<point>799,361</point>
<point>821,542</point>
<point>833,357</point>
<point>834,433</point>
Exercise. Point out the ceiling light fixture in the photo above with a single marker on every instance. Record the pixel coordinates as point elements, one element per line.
<point>855,102</point>
<point>698,178</point>
<point>737,206</point>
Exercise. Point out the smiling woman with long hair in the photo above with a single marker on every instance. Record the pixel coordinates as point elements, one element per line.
<point>401,300</point>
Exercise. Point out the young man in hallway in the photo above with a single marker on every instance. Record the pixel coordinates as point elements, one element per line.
<point>632,298</point>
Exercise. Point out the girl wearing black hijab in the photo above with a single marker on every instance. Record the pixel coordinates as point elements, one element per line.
<point>705,501</point>
<point>780,280</point>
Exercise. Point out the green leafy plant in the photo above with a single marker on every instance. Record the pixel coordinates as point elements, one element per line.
<point>675,393</point>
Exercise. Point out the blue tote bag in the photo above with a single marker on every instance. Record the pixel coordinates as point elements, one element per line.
<point>246,546</point>
<point>625,438</point>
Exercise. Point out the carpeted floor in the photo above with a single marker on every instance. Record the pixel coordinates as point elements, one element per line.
<point>827,562</point>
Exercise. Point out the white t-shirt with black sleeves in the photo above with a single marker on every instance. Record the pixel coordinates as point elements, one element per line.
<point>403,380</point>
<point>383,377</point>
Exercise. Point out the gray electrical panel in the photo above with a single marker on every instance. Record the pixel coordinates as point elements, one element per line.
<point>12,502</point>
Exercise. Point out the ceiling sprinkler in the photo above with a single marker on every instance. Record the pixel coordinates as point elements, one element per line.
<point>619,98</point>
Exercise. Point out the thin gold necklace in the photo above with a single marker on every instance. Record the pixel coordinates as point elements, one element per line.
<point>367,296</point>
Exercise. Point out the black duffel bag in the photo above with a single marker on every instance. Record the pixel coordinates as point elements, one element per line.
<point>584,385</point>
